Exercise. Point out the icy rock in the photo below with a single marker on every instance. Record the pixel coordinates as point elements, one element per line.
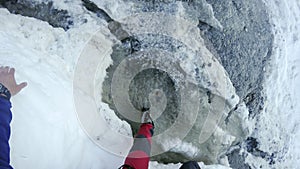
<point>43,11</point>
<point>171,53</point>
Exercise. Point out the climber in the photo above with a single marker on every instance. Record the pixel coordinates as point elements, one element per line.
<point>139,155</point>
<point>8,88</point>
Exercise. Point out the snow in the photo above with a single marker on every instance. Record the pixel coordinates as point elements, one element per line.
<point>279,123</point>
<point>46,132</point>
<point>154,165</point>
<point>45,129</point>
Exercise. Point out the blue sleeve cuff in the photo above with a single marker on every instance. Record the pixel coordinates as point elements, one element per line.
<point>5,113</point>
<point>5,119</point>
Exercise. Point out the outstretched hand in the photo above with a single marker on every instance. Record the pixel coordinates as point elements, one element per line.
<point>7,78</point>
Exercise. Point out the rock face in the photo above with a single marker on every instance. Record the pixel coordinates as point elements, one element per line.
<point>198,65</point>
<point>243,46</point>
<point>234,43</point>
<point>42,11</point>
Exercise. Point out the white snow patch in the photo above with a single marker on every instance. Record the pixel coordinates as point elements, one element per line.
<point>45,129</point>
<point>155,165</point>
<point>279,123</point>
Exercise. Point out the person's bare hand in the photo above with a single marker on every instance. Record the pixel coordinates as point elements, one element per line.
<point>7,78</point>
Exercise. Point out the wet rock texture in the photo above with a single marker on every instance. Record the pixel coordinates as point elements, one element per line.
<point>233,37</point>
<point>243,46</point>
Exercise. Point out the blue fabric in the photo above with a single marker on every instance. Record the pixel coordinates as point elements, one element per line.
<point>5,119</point>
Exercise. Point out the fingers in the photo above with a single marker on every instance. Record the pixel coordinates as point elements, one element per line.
<point>7,69</point>
<point>19,88</point>
<point>3,69</point>
<point>11,71</point>
<point>7,78</point>
<point>22,85</point>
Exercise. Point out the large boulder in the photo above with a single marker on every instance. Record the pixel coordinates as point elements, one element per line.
<point>201,57</point>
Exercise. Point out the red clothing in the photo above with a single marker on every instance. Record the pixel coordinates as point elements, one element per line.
<point>139,155</point>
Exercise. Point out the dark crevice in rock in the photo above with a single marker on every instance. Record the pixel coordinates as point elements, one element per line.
<point>254,102</point>
<point>115,27</point>
<point>91,6</point>
<point>209,95</point>
<point>204,26</point>
<point>251,144</point>
<point>230,113</point>
<point>42,11</point>
<point>132,43</point>
<point>252,147</point>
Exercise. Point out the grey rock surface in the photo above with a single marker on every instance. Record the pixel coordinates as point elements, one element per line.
<point>244,46</point>
<point>43,11</point>
<point>236,44</point>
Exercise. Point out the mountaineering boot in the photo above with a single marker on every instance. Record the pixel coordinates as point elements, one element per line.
<point>146,117</point>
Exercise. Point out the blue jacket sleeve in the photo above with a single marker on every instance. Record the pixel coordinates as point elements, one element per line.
<point>5,119</point>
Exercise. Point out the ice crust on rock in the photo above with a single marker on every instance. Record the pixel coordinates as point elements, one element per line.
<point>180,38</point>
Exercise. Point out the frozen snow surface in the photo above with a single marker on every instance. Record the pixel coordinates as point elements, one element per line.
<point>279,122</point>
<point>45,129</point>
<point>46,132</point>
